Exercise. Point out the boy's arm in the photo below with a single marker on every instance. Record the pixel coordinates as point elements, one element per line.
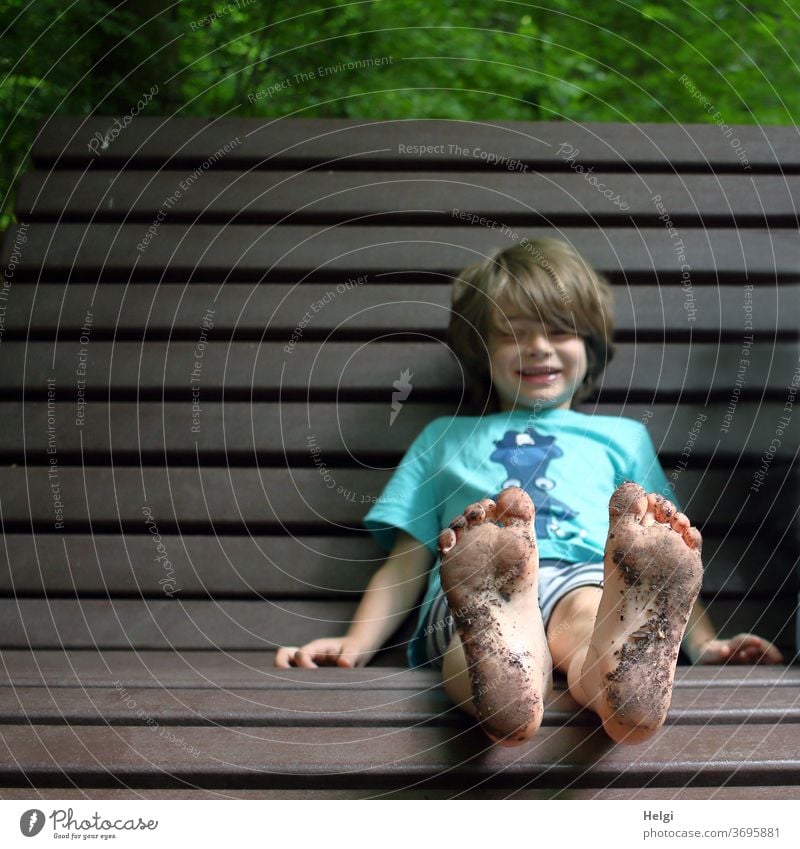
<point>391,593</point>
<point>699,632</point>
<point>701,644</point>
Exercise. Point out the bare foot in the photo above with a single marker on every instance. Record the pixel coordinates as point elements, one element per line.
<point>653,574</point>
<point>489,574</point>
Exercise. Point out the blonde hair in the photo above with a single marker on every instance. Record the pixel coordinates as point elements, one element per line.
<point>543,278</point>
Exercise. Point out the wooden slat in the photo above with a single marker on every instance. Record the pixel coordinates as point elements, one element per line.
<point>272,311</point>
<point>121,705</point>
<point>125,624</point>
<point>650,793</point>
<point>230,567</point>
<point>219,566</point>
<point>253,252</point>
<point>522,197</point>
<point>299,708</point>
<point>272,143</point>
<point>211,668</point>
<point>238,432</point>
<point>337,367</point>
<point>255,670</point>
<point>250,625</point>
<point>221,498</point>
<point>380,757</point>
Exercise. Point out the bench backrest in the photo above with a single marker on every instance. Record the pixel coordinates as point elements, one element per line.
<point>203,321</point>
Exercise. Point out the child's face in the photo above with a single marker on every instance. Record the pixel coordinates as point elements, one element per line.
<point>534,364</point>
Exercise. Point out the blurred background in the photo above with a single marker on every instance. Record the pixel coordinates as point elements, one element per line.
<point>562,60</point>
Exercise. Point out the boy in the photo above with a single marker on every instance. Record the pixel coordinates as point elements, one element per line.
<point>536,578</point>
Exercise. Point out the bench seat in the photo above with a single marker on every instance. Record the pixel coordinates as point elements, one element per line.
<point>166,527</point>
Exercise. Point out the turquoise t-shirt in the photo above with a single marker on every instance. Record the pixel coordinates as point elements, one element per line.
<point>568,462</point>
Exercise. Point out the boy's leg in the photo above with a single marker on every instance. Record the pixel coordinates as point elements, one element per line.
<point>569,633</point>
<point>489,574</point>
<point>652,574</point>
<point>458,684</point>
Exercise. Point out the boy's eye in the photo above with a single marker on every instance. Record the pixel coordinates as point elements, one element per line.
<point>521,331</point>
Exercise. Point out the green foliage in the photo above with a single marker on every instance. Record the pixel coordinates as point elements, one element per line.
<point>483,60</point>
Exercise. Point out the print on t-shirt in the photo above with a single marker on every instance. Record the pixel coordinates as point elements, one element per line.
<point>525,457</point>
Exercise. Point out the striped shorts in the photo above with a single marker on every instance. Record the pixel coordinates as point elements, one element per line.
<point>556,579</point>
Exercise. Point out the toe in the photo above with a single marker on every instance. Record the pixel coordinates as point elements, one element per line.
<point>663,508</point>
<point>693,539</point>
<point>680,523</point>
<point>474,514</point>
<point>648,519</point>
<point>456,528</point>
<point>514,505</point>
<point>447,540</point>
<point>628,499</point>
<point>489,508</point>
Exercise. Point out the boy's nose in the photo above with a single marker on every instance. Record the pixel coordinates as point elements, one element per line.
<point>536,342</point>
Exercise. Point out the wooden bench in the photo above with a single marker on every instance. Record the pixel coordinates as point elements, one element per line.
<point>192,305</point>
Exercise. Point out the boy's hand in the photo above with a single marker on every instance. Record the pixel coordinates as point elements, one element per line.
<point>743,648</point>
<point>327,651</point>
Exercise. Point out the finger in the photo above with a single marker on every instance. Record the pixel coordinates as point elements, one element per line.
<point>754,654</point>
<point>347,657</point>
<point>772,654</point>
<point>720,652</point>
<point>324,653</point>
<point>775,654</point>
<point>283,657</point>
<point>746,645</point>
<point>767,651</point>
<point>746,650</point>
<point>755,649</point>
<point>751,640</point>
<point>304,660</point>
<point>710,653</point>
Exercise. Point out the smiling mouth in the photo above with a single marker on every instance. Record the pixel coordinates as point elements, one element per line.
<point>540,377</point>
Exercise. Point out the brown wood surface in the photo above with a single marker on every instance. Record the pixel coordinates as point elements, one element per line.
<point>354,433</point>
<point>507,197</point>
<point>246,756</point>
<point>201,665</point>
<point>272,311</point>
<point>172,624</point>
<point>256,670</point>
<point>64,140</point>
<point>253,252</point>
<point>291,499</point>
<point>220,566</point>
<point>265,625</point>
<point>323,567</point>
<point>120,705</point>
<point>250,368</point>
<point>650,793</point>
